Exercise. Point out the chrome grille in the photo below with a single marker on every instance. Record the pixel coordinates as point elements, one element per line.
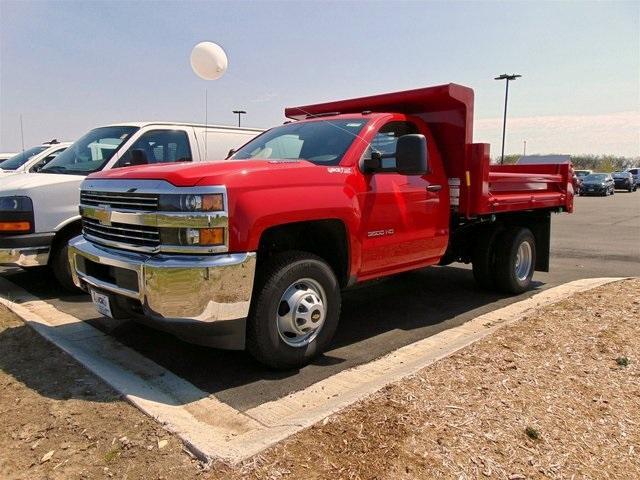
<point>122,234</point>
<point>120,200</point>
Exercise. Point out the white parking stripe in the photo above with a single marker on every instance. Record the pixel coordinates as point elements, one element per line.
<point>211,428</point>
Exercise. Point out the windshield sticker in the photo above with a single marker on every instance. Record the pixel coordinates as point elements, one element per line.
<point>354,124</point>
<point>339,169</point>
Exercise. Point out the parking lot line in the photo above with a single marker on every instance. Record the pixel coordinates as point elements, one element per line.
<point>210,428</point>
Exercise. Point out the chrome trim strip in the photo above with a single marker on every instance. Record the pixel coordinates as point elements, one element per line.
<point>175,287</point>
<point>25,257</point>
<point>156,219</point>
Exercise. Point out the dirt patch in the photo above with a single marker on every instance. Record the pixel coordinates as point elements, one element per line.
<point>556,395</point>
<point>49,403</point>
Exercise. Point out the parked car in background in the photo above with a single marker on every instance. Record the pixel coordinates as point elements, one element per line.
<point>6,156</point>
<point>624,181</point>
<point>39,210</point>
<point>635,171</point>
<point>597,184</point>
<point>582,173</point>
<point>32,162</point>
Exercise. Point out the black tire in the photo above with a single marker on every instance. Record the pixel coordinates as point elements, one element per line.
<point>59,263</point>
<point>483,259</point>
<point>275,277</point>
<point>506,249</point>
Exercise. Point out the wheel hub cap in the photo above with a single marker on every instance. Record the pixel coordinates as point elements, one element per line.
<point>524,259</point>
<point>301,312</point>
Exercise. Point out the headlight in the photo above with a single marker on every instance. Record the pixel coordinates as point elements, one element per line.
<point>15,204</point>
<point>193,237</point>
<point>16,215</point>
<point>209,202</point>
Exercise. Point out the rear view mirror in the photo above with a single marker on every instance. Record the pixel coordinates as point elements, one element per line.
<point>411,155</point>
<point>373,163</point>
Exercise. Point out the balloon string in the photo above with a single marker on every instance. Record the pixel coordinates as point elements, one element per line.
<point>206,123</point>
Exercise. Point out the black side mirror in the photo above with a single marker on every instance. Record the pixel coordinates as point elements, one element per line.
<point>411,155</point>
<point>373,163</point>
<point>231,152</point>
<point>138,157</point>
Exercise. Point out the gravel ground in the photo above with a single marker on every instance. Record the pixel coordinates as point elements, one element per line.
<point>556,395</point>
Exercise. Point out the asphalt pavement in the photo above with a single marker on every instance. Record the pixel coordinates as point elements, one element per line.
<point>601,239</point>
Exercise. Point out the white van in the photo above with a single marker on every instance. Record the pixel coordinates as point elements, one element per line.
<point>39,210</point>
<point>33,159</point>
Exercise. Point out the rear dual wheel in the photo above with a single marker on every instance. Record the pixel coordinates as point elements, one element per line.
<point>505,260</point>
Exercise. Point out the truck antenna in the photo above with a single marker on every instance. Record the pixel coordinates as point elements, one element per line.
<point>21,132</point>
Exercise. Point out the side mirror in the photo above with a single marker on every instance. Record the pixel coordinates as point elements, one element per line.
<point>411,155</point>
<point>231,152</point>
<point>373,163</point>
<point>138,157</point>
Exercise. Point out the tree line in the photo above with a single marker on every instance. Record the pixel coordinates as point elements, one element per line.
<point>599,163</point>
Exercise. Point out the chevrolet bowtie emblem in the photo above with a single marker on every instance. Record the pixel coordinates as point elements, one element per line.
<point>103,215</point>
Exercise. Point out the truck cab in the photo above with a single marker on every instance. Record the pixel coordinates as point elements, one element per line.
<point>254,252</point>
<point>39,209</point>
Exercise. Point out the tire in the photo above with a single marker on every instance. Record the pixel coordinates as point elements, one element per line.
<point>483,259</point>
<point>507,277</point>
<point>268,340</point>
<point>60,266</point>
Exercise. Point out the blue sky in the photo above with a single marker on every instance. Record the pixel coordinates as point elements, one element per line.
<point>70,66</point>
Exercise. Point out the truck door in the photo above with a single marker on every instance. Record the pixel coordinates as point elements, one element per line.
<point>402,215</point>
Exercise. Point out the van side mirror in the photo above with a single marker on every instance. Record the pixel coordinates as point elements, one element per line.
<point>138,157</point>
<point>231,152</point>
<point>411,155</point>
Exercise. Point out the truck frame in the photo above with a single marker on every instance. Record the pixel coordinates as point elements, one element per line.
<point>254,252</point>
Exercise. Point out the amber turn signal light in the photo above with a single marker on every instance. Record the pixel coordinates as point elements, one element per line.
<point>15,226</point>
<point>211,236</point>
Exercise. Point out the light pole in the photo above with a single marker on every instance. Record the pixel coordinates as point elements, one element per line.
<point>524,149</point>
<point>508,78</point>
<point>239,113</point>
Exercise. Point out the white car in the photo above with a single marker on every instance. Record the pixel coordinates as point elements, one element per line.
<point>33,159</point>
<point>39,210</point>
<point>6,156</point>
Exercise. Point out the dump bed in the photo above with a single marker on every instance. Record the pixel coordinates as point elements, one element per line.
<point>476,186</point>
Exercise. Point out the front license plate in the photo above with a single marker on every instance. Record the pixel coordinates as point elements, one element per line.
<point>101,302</point>
<point>591,189</point>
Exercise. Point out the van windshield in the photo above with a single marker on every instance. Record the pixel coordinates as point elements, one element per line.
<point>322,142</point>
<point>91,152</point>
<point>23,157</point>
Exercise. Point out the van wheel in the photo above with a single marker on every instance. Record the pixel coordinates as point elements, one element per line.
<point>294,312</point>
<point>59,263</point>
<point>515,252</point>
<point>483,259</point>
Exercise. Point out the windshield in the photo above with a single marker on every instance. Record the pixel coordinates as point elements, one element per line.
<point>91,153</point>
<point>596,177</point>
<point>22,158</point>
<point>582,173</point>
<point>321,142</point>
<point>621,174</point>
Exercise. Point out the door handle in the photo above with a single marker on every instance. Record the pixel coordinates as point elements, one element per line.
<point>434,188</point>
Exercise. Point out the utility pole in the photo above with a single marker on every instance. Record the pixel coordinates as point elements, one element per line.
<point>239,113</point>
<point>22,132</point>
<point>524,150</point>
<point>508,78</point>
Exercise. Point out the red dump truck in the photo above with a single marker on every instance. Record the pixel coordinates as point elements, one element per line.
<point>254,251</point>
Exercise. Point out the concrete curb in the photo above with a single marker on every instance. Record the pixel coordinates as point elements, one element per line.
<point>213,429</point>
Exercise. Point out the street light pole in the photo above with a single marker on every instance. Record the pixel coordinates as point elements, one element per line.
<point>508,78</point>
<point>239,113</point>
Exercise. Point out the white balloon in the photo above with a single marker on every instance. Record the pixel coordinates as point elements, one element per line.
<point>208,60</point>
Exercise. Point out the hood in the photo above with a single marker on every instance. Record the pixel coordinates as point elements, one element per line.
<point>21,184</point>
<point>217,173</point>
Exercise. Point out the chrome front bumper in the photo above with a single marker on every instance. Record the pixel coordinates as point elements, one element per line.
<point>173,290</point>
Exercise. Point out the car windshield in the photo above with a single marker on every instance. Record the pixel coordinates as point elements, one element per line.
<point>596,177</point>
<point>91,153</point>
<point>621,174</point>
<point>582,173</point>
<point>23,157</point>
<point>322,142</point>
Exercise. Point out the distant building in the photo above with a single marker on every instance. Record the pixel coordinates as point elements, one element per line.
<point>543,159</point>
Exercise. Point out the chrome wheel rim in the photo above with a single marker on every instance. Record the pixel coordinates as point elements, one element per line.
<point>301,312</point>
<point>524,260</point>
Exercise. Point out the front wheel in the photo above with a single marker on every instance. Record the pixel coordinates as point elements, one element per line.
<point>294,312</point>
<point>515,260</point>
